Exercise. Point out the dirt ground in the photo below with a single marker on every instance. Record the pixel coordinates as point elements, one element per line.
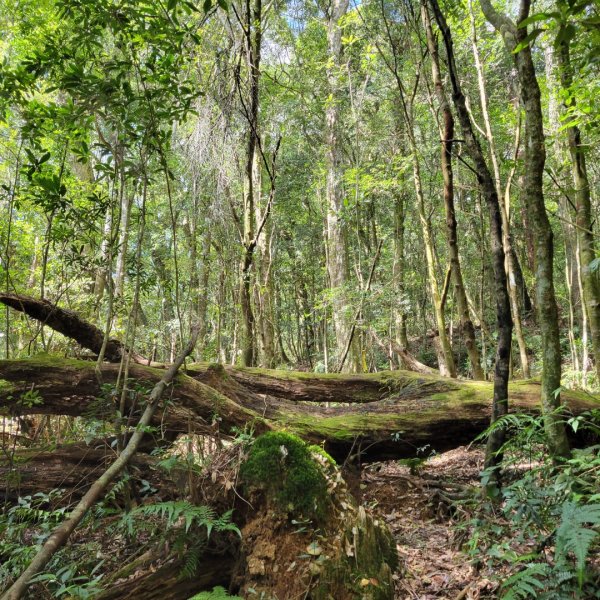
<point>416,510</point>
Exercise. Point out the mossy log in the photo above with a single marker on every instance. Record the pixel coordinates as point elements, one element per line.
<point>66,322</point>
<point>383,415</point>
<point>70,467</point>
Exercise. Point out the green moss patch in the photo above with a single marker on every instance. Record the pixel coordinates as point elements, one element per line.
<point>282,465</point>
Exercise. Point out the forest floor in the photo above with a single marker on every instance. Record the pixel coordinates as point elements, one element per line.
<point>416,510</point>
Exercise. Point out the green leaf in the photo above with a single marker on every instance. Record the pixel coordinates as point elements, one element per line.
<point>529,39</point>
<point>543,16</point>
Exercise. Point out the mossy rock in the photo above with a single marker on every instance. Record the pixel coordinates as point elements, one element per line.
<point>283,466</point>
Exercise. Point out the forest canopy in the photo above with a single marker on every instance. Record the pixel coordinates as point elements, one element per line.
<point>378,221</point>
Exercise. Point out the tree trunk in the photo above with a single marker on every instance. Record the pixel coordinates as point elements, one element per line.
<point>533,197</point>
<point>583,210</point>
<point>253,47</point>
<point>398,269</point>
<point>451,228</point>
<point>367,410</point>
<point>337,250</point>
<point>61,534</point>
<point>503,314</point>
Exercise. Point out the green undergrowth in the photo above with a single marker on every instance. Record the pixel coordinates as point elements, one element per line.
<point>283,466</point>
<point>217,593</point>
<point>542,530</point>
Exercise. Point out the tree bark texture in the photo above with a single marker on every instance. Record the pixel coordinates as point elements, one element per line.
<point>451,227</point>
<point>486,183</point>
<point>533,198</point>
<point>337,250</point>
<point>365,411</point>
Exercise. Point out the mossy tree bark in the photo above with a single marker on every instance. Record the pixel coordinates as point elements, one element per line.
<point>533,195</point>
<point>451,227</point>
<point>385,415</point>
<point>337,244</point>
<point>486,182</point>
<point>61,534</point>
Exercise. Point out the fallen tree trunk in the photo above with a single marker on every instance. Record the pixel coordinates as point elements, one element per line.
<point>61,534</point>
<point>167,583</point>
<point>70,467</point>
<point>384,415</point>
<point>69,324</point>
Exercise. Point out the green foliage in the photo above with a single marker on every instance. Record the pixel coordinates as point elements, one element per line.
<point>217,593</point>
<point>548,518</point>
<point>186,526</point>
<point>180,512</point>
<point>34,518</point>
<point>526,583</point>
<point>573,537</point>
<point>67,583</point>
<point>282,464</point>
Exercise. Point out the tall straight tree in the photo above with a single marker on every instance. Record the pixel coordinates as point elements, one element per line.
<point>516,284</point>
<point>581,187</point>
<point>514,38</point>
<point>447,141</point>
<point>488,187</point>
<point>446,361</point>
<point>252,45</point>
<point>337,250</point>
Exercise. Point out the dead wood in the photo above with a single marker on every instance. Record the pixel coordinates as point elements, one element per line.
<point>70,467</point>
<point>70,324</point>
<point>382,415</point>
<point>62,533</point>
<point>167,583</point>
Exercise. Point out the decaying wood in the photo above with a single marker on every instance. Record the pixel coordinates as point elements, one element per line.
<point>166,582</point>
<point>407,360</point>
<point>70,467</point>
<point>61,534</point>
<point>66,322</point>
<point>381,415</point>
<point>385,415</point>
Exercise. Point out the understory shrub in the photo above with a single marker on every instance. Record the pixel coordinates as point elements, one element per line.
<point>544,531</point>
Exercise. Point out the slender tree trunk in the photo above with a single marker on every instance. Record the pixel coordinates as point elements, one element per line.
<point>503,313</point>
<point>583,211</point>
<point>447,366</point>
<point>513,268</point>
<point>337,244</point>
<point>533,197</point>
<point>253,46</point>
<point>126,201</point>
<point>102,273</point>
<point>451,227</point>
<point>202,302</point>
<point>264,283</point>
<point>399,309</point>
<point>564,203</point>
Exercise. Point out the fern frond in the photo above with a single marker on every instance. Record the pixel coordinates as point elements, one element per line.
<point>572,536</point>
<point>526,583</point>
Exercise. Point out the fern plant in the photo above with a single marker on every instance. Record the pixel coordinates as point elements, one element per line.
<point>181,512</point>
<point>545,530</point>
<point>526,583</point>
<point>174,521</point>
<point>217,593</point>
<point>572,535</point>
